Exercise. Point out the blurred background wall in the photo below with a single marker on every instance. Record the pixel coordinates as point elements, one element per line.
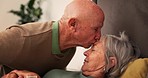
<point>130,16</point>
<point>7,18</point>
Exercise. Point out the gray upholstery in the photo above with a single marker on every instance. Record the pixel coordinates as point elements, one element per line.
<point>130,16</point>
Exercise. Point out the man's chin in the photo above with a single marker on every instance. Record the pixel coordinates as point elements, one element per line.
<point>88,46</point>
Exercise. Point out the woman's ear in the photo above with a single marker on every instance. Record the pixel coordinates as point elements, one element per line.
<point>113,61</point>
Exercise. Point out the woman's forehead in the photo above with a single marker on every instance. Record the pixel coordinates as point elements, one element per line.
<point>102,40</point>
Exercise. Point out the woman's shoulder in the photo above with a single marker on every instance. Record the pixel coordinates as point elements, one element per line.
<point>137,69</point>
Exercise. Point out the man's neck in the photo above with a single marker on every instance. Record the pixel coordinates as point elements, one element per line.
<point>66,40</point>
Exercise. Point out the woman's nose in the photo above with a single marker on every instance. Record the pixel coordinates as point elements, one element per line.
<point>86,53</point>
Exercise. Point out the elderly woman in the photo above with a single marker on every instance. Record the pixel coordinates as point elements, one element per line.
<point>107,58</point>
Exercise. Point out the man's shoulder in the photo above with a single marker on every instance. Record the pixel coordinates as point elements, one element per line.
<point>33,28</point>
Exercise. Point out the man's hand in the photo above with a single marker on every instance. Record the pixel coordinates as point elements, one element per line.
<point>21,74</point>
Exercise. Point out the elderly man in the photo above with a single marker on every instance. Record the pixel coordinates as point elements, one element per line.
<point>40,47</point>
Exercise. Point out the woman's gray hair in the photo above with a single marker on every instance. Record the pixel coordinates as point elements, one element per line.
<point>123,49</point>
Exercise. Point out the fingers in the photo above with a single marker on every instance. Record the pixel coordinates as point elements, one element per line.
<point>21,74</point>
<point>26,74</point>
<point>10,75</point>
<point>21,77</point>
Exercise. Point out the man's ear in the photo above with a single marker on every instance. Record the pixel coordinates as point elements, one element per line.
<point>72,23</point>
<point>113,61</point>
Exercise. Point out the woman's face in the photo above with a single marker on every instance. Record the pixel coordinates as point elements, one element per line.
<point>95,60</point>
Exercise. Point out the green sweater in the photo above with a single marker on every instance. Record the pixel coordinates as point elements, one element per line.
<point>56,73</point>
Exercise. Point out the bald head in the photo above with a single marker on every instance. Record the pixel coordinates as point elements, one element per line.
<point>83,9</point>
<point>81,17</point>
